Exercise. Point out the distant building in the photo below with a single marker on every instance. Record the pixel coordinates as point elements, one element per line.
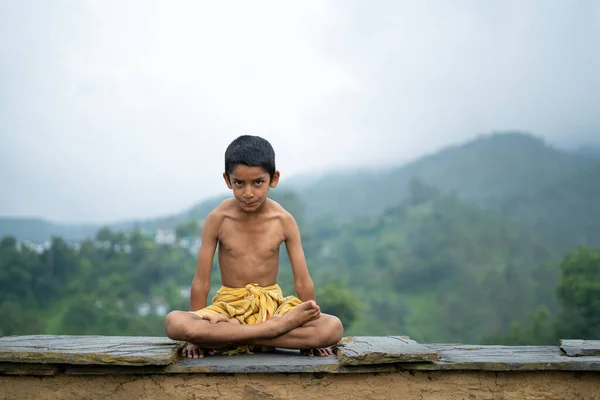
<point>144,309</point>
<point>195,247</point>
<point>165,236</point>
<point>155,307</point>
<point>38,248</point>
<point>160,310</point>
<point>185,292</point>
<point>191,243</point>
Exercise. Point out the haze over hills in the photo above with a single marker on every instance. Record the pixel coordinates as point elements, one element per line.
<point>515,174</point>
<point>486,171</point>
<point>459,246</point>
<point>519,176</point>
<point>588,150</point>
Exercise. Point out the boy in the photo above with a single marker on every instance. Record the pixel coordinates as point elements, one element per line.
<point>249,309</point>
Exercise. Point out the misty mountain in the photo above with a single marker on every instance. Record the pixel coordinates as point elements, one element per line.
<point>39,230</point>
<point>588,151</point>
<point>516,175</point>
<point>486,171</point>
<point>551,191</point>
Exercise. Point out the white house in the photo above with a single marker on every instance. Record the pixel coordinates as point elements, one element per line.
<point>165,236</point>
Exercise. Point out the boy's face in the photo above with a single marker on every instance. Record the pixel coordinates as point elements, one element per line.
<point>250,185</point>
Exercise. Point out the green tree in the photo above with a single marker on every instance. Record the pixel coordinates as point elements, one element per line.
<point>189,228</point>
<point>336,298</point>
<point>579,294</point>
<point>539,330</point>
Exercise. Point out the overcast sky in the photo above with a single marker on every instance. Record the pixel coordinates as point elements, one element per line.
<point>123,109</point>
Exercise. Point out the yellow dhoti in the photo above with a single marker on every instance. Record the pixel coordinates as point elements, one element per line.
<point>251,304</point>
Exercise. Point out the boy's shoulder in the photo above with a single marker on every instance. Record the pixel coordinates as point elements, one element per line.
<point>277,210</point>
<point>224,208</point>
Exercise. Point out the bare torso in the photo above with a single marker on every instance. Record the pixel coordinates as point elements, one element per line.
<point>248,244</point>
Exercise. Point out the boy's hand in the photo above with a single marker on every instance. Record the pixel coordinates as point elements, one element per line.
<point>321,352</point>
<point>193,351</point>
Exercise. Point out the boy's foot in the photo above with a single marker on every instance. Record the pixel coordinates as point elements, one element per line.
<point>320,352</point>
<point>213,319</point>
<point>192,351</point>
<point>296,317</point>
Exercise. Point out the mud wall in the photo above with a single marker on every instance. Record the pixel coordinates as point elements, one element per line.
<point>432,385</point>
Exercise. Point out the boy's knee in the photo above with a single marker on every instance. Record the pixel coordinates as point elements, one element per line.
<point>170,320</point>
<point>175,326</point>
<point>336,330</point>
<point>330,334</point>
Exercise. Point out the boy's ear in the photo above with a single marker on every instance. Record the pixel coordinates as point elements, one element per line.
<point>227,180</point>
<point>274,180</point>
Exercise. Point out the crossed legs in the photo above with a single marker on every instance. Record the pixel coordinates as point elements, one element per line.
<point>322,332</point>
<point>304,328</point>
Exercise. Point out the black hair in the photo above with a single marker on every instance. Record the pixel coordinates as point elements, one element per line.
<point>252,151</point>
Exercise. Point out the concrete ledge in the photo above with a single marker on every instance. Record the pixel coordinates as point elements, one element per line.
<point>40,367</point>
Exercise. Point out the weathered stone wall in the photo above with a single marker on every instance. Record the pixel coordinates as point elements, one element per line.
<point>432,385</point>
<point>85,367</point>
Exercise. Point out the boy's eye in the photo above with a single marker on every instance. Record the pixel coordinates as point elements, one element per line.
<point>238,183</point>
<point>258,183</point>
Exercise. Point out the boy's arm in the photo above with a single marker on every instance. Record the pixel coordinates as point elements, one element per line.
<point>201,281</point>
<point>302,280</point>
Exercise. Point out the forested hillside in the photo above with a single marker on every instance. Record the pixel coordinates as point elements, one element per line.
<point>439,269</point>
<point>477,243</point>
<point>553,193</point>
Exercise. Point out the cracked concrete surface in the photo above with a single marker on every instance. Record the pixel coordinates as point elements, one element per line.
<point>433,385</point>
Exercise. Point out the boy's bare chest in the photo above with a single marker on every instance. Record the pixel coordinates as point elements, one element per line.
<point>242,238</point>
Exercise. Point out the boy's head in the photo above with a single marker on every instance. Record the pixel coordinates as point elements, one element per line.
<point>250,170</point>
